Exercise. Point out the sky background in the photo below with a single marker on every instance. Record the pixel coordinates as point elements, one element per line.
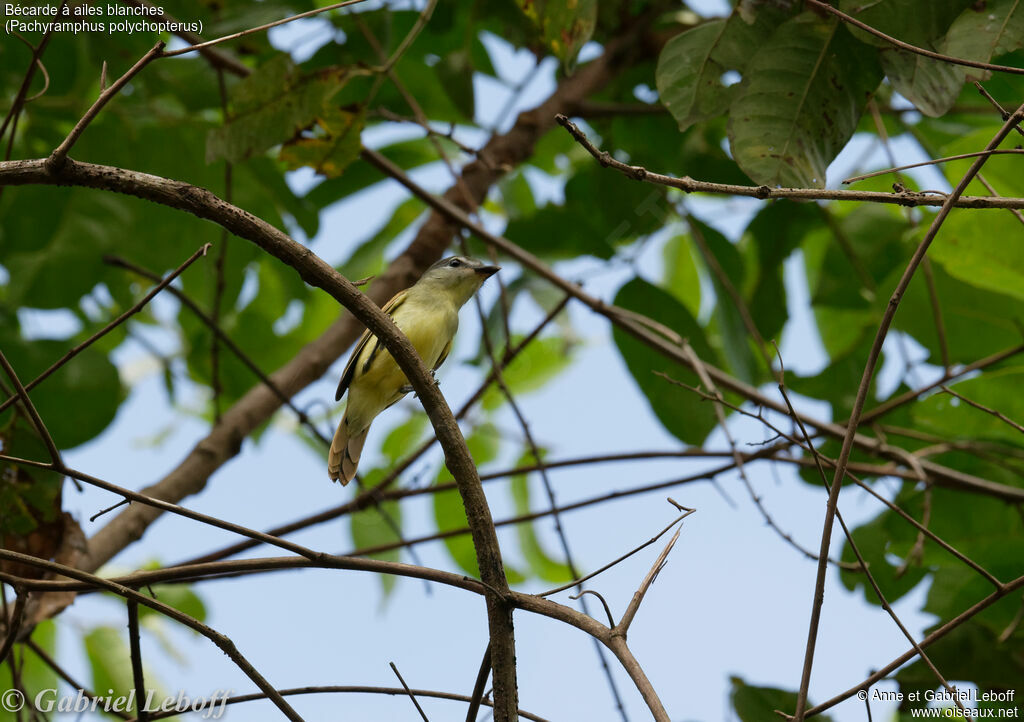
<point>733,600</point>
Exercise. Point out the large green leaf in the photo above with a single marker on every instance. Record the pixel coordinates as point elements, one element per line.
<point>683,413</point>
<point>800,102</point>
<point>271,106</point>
<point>689,78</point>
<point>776,231</point>
<point>997,390</point>
<point>986,30</point>
<point>728,332</point>
<point>691,65</point>
<point>977,322</point>
<point>931,85</point>
<point>976,250</point>
<point>681,277</point>
<point>599,213</point>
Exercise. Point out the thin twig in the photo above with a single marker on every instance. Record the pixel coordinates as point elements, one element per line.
<point>607,609</point>
<point>856,550</point>
<point>33,414</point>
<point>998,414</point>
<point>410,38</point>
<point>135,644</point>
<point>947,159</point>
<point>59,156</point>
<point>423,715</point>
<point>478,686</point>
<point>1003,112</point>
<point>638,596</point>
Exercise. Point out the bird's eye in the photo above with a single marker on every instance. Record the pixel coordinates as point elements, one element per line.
<point>455,263</point>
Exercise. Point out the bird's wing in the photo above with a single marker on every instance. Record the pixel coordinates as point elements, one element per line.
<point>443,356</point>
<point>350,370</point>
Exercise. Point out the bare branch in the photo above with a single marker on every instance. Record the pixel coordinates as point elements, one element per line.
<point>423,715</point>
<point>689,185</point>
<point>622,628</point>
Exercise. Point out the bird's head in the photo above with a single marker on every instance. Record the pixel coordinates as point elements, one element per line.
<point>459,277</point>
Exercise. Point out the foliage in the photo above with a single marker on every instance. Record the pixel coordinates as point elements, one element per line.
<point>769,95</point>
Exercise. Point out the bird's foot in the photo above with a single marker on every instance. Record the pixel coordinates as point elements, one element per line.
<point>407,389</point>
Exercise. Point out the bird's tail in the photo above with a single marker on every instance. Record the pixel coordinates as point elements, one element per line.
<point>344,455</point>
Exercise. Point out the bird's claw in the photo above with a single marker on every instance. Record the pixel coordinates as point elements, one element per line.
<point>407,389</point>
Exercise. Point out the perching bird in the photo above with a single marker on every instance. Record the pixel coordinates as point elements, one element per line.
<point>428,314</point>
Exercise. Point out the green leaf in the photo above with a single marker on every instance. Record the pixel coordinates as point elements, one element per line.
<point>756,704</point>
<point>271,106</point>
<point>931,85</point>
<point>34,674</point>
<point>838,382</point>
<point>681,278</point>
<point>776,231</point>
<point>885,542</point>
<point>565,25</point>
<point>986,30</point>
<point>975,250</point>
<point>450,514</point>
<point>90,381</point>
<point>378,526</point>
<point>109,661</point>
<point>540,563</point>
<point>680,411</point>
<point>999,390</point>
<point>800,102</point>
<point>864,247</point>
<point>405,437</point>
<point>691,65</point>
<point>599,213</point>
<point>728,332</point>
<point>538,363</point>
<point>977,322</point>
<point>332,150</point>
<point>688,77</point>
<point>180,596</point>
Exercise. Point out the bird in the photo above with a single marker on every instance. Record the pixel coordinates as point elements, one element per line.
<point>428,314</point>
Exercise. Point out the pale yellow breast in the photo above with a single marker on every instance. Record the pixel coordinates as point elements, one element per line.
<point>430,327</point>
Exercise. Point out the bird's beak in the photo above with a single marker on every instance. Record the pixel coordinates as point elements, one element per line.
<point>487,271</point>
